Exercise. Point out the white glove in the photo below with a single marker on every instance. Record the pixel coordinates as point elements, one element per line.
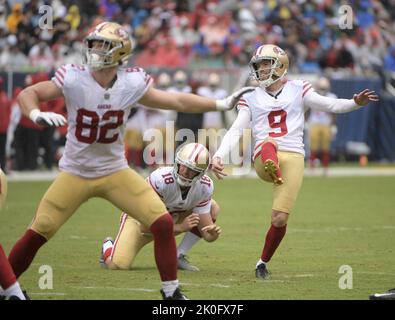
<point>230,102</point>
<point>47,118</point>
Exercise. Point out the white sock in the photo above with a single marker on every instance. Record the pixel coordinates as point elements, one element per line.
<point>1,291</point>
<point>260,262</point>
<point>189,240</point>
<point>169,287</point>
<point>15,290</point>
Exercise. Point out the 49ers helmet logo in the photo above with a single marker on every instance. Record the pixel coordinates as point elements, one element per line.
<point>121,33</point>
<point>278,50</point>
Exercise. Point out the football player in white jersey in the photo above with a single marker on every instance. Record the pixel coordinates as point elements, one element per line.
<point>98,98</point>
<point>276,111</point>
<point>9,286</point>
<point>187,194</point>
<point>320,124</point>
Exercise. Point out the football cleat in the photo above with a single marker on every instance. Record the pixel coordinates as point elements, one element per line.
<point>101,260</point>
<point>389,295</point>
<point>15,297</point>
<point>177,295</point>
<point>184,264</point>
<point>261,272</point>
<point>273,170</point>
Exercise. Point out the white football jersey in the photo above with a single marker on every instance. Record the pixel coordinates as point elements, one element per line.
<point>198,199</point>
<point>281,118</point>
<point>96,118</point>
<point>321,117</point>
<point>212,119</point>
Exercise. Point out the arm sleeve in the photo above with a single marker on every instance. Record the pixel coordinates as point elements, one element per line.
<point>317,102</point>
<point>235,132</point>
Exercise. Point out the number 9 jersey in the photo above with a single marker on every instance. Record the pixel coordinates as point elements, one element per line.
<point>280,117</point>
<point>96,117</point>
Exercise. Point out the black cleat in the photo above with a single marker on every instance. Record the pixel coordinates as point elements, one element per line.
<point>261,272</point>
<point>389,295</point>
<point>177,295</point>
<point>15,297</point>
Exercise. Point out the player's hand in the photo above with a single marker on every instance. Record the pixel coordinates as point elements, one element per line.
<point>51,119</point>
<point>190,222</point>
<point>218,168</point>
<point>231,101</point>
<point>364,97</point>
<point>212,229</point>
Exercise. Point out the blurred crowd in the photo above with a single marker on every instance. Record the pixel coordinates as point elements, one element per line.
<point>191,35</point>
<point>211,33</point>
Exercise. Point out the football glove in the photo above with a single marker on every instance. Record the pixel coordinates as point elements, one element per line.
<point>231,101</point>
<point>51,119</point>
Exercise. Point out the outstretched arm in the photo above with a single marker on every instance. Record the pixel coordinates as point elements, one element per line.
<point>30,98</point>
<point>230,140</point>
<point>187,102</point>
<point>318,102</point>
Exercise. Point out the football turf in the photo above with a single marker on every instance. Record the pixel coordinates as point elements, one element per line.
<point>336,222</point>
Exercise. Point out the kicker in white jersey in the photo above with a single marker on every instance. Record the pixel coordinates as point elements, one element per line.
<point>97,118</point>
<point>281,118</point>
<point>164,182</point>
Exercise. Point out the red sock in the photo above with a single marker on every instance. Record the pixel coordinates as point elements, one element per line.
<point>23,252</point>
<point>325,159</point>
<point>165,247</point>
<point>273,239</point>
<point>269,151</point>
<point>7,276</point>
<point>313,156</point>
<point>135,157</point>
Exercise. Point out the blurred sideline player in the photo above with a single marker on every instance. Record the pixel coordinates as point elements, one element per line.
<point>276,109</point>
<point>9,286</point>
<point>99,96</point>
<point>156,119</point>
<point>212,121</point>
<point>134,144</point>
<point>187,193</point>
<point>320,128</point>
<point>184,120</point>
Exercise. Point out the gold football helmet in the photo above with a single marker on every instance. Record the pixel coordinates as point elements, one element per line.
<point>113,48</point>
<point>214,80</point>
<point>3,188</point>
<point>164,80</point>
<point>194,156</point>
<point>279,63</point>
<point>323,85</point>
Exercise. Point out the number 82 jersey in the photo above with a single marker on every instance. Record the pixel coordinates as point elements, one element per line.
<point>280,117</point>
<point>96,118</point>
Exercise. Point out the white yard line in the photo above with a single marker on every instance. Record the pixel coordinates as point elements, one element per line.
<point>48,293</point>
<point>117,289</point>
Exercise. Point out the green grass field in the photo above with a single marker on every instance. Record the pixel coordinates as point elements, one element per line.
<point>336,221</point>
